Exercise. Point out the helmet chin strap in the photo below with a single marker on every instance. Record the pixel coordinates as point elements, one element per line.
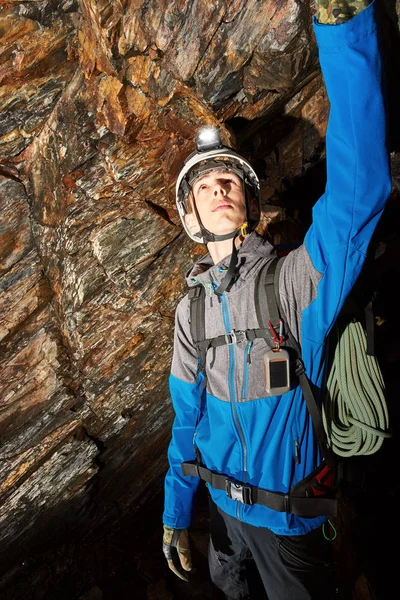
<point>207,235</point>
<point>211,237</point>
<point>231,272</point>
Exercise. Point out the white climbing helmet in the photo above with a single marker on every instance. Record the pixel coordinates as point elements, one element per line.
<point>212,155</point>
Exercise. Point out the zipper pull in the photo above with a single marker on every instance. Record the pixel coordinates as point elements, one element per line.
<point>248,349</point>
<point>215,287</point>
<point>209,288</point>
<point>296,452</point>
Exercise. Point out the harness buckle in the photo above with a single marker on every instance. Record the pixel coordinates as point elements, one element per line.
<point>299,367</point>
<point>237,491</point>
<point>286,502</point>
<point>230,338</point>
<point>233,337</point>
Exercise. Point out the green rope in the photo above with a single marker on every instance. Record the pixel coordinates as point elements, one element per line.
<point>354,410</point>
<point>334,532</point>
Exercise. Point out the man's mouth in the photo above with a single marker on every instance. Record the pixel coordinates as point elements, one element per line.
<point>222,206</point>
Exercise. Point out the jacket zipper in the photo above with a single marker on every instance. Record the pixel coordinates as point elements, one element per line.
<point>247,362</point>
<point>231,386</point>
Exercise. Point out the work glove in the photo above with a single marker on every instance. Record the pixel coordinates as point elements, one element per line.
<point>176,550</point>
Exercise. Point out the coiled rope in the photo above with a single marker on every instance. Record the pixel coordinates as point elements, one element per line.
<point>354,410</point>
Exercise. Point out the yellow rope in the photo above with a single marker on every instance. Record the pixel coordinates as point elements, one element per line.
<point>354,410</point>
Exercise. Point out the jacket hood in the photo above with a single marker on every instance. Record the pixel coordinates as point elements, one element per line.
<point>252,249</point>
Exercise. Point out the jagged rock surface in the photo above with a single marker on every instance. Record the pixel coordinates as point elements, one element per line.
<point>99,104</point>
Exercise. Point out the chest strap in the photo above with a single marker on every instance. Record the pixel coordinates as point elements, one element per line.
<point>197,329</point>
<point>234,337</point>
<point>296,501</point>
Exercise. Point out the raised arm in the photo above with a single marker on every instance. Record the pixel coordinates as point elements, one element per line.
<point>358,169</point>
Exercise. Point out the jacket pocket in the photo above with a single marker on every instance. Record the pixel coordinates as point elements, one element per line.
<point>310,553</point>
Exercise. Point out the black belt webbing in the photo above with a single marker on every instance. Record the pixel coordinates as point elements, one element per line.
<point>299,505</point>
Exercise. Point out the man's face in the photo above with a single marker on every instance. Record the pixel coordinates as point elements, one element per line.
<point>220,202</point>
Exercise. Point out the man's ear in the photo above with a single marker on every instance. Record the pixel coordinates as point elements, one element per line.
<point>191,222</point>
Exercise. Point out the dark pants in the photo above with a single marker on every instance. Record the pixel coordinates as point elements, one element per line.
<point>249,562</point>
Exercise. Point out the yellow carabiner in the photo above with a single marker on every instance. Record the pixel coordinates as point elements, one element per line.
<point>244,229</point>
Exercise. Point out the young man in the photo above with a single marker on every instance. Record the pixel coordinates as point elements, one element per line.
<point>253,442</point>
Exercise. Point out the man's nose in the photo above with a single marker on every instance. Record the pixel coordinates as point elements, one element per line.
<point>219,189</point>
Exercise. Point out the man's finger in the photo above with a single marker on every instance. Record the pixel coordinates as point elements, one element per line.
<point>185,558</point>
<point>176,571</point>
<point>184,553</point>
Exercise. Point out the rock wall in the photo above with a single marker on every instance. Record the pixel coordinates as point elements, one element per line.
<point>99,105</point>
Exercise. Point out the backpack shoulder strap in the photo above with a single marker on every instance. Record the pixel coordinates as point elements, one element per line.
<point>265,296</point>
<point>268,304</point>
<point>197,313</point>
<point>196,297</point>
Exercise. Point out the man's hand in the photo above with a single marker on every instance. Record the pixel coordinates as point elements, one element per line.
<point>335,12</point>
<point>176,550</point>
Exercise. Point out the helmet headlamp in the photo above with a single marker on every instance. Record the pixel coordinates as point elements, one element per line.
<point>208,139</point>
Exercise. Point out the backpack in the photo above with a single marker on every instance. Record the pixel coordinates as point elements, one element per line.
<point>354,411</point>
<point>341,431</point>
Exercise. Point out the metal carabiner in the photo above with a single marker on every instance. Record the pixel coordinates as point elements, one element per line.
<point>278,339</point>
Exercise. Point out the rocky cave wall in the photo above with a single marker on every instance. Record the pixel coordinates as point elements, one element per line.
<point>99,105</point>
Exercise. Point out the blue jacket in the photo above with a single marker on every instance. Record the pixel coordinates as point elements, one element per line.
<point>240,431</point>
